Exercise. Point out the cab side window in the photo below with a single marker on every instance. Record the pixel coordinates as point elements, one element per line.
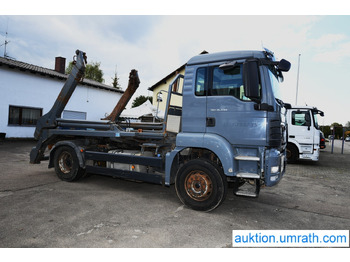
<point>227,82</point>
<point>201,82</point>
<point>301,118</point>
<point>214,81</point>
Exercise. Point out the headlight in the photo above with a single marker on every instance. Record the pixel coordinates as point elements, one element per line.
<point>274,169</point>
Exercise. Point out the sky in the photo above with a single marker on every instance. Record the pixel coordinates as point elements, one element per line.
<point>157,43</point>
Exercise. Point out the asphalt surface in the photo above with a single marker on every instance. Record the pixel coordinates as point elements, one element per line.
<point>39,210</point>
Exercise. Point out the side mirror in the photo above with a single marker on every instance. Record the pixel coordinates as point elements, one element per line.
<point>287,106</point>
<point>284,65</point>
<point>251,80</point>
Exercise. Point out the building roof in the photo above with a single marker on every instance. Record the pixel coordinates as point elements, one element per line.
<point>14,64</point>
<point>163,80</point>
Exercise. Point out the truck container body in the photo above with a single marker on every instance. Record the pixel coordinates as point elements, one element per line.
<point>230,130</point>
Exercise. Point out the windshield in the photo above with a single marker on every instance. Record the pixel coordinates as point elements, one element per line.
<point>274,82</point>
<point>315,120</point>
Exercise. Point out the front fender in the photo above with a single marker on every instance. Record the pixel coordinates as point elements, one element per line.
<point>215,143</point>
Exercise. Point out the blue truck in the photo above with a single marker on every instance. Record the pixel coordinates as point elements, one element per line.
<point>229,132</point>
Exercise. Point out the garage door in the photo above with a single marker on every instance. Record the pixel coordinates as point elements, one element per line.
<point>67,114</point>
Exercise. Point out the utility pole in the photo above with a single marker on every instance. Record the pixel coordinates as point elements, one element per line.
<point>296,96</point>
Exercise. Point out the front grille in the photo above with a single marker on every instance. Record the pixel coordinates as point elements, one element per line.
<point>275,133</point>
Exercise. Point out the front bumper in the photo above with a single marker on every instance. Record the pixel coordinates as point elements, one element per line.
<point>275,166</point>
<point>311,156</point>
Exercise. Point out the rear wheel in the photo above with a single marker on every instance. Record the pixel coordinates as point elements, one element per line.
<point>67,164</point>
<point>201,185</point>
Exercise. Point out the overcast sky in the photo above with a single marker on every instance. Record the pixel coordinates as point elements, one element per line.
<point>157,45</point>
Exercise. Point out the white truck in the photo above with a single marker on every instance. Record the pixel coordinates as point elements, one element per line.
<point>303,133</point>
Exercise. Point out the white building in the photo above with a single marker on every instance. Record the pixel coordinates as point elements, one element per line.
<point>28,92</point>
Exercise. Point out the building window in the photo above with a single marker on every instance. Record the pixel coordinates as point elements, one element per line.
<point>24,116</point>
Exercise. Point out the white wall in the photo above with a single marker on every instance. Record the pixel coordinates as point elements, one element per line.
<point>33,90</point>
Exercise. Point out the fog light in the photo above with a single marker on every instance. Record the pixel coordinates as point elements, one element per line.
<point>273,178</point>
<point>274,169</point>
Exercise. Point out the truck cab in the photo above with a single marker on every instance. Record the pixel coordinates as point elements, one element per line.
<point>232,113</point>
<point>304,135</point>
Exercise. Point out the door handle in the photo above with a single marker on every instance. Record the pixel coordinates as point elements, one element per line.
<point>210,121</point>
<point>292,136</point>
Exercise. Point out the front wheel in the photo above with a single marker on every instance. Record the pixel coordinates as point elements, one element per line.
<point>292,153</point>
<point>67,164</point>
<point>201,185</point>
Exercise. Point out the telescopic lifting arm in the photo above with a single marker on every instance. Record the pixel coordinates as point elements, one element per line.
<point>48,120</point>
<point>133,84</point>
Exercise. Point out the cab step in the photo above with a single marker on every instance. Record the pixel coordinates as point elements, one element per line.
<point>248,189</point>
<point>248,175</point>
<point>246,193</point>
<point>247,158</point>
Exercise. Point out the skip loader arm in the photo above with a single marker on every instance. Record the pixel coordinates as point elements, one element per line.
<point>48,120</point>
<point>134,82</point>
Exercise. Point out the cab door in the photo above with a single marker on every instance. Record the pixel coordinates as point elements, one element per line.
<point>301,129</point>
<point>229,113</point>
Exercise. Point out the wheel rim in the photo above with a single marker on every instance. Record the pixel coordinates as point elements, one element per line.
<point>65,162</point>
<point>198,185</point>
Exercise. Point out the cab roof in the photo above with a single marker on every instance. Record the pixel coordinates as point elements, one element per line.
<point>312,108</point>
<point>225,56</point>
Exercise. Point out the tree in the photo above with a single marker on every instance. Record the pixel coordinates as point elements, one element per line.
<point>347,125</point>
<point>140,100</point>
<point>92,71</point>
<point>115,82</point>
<point>326,130</point>
<point>338,129</point>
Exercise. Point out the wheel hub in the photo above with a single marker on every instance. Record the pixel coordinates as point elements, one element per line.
<point>198,185</point>
<point>65,162</point>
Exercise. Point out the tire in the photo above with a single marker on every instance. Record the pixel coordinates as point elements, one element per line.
<point>67,164</point>
<point>292,154</point>
<point>201,185</point>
